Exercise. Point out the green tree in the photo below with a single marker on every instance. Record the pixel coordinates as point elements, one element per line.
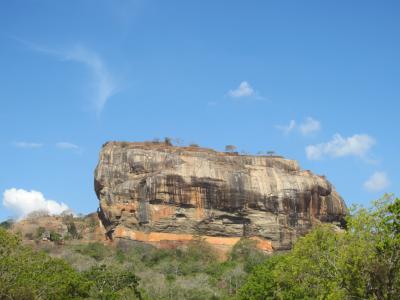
<point>111,283</point>
<point>96,250</point>
<point>55,237</point>
<point>361,262</point>
<point>72,230</point>
<point>230,148</point>
<point>7,224</point>
<point>39,232</point>
<point>26,274</point>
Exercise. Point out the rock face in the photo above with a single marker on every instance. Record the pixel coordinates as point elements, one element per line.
<point>157,193</point>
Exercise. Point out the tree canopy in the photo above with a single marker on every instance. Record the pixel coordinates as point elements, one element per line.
<point>360,262</point>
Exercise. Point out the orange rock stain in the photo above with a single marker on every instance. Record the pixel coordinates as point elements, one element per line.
<point>161,211</point>
<point>162,237</point>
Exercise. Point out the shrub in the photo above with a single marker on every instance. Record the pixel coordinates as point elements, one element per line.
<point>38,214</point>
<point>111,283</point>
<point>246,252</point>
<point>39,233</point>
<point>26,274</point>
<point>230,148</point>
<point>362,262</point>
<point>7,224</point>
<point>55,237</point>
<point>98,251</point>
<point>72,230</point>
<point>168,141</point>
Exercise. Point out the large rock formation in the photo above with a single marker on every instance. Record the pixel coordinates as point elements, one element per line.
<point>158,193</point>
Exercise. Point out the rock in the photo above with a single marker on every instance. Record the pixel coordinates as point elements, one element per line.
<point>39,228</point>
<point>157,193</point>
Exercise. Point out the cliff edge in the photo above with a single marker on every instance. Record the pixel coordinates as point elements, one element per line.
<point>162,194</point>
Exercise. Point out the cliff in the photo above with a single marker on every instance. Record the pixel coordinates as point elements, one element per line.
<point>163,194</point>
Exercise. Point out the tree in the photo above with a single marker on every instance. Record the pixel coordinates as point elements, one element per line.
<point>7,224</point>
<point>26,274</point>
<point>55,237</point>
<point>96,250</point>
<point>72,230</point>
<point>362,262</point>
<point>112,284</point>
<point>230,148</point>
<point>41,213</point>
<point>168,141</point>
<point>374,234</point>
<point>245,251</point>
<point>39,232</point>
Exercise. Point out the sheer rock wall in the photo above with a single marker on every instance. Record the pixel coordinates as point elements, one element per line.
<point>157,193</point>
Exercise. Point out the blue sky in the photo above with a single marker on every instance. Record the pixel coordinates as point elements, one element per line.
<point>315,81</point>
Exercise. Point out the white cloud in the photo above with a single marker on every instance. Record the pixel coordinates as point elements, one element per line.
<point>286,129</point>
<point>377,182</point>
<point>27,145</point>
<point>104,85</point>
<point>356,145</point>
<point>243,90</point>
<point>66,145</point>
<point>23,202</point>
<point>310,126</point>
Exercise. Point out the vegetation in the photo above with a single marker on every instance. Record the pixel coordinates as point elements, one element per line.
<point>26,274</point>
<point>362,262</point>
<point>98,251</point>
<point>7,224</point>
<point>230,148</point>
<point>359,262</point>
<point>168,141</point>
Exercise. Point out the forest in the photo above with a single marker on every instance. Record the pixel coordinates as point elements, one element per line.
<point>360,261</point>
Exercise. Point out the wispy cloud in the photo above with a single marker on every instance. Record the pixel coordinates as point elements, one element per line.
<point>68,146</point>
<point>104,85</point>
<point>23,202</point>
<point>286,129</point>
<point>357,145</point>
<point>28,145</point>
<point>377,182</point>
<point>309,126</point>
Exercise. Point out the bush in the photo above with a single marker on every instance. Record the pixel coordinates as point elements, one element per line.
<point>72,230</point>
<point>111,283</point>
<point>98,251</point>
<point>246,252</point>
<point>7,224</point>
<point>39,233</point>
<point>26,274</point>
<point>168,141</point>
<point>230,148</point>
<point>362,262</point>
<point>55,237</point>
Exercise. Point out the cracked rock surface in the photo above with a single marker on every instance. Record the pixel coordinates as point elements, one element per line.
<point>155,191</point>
